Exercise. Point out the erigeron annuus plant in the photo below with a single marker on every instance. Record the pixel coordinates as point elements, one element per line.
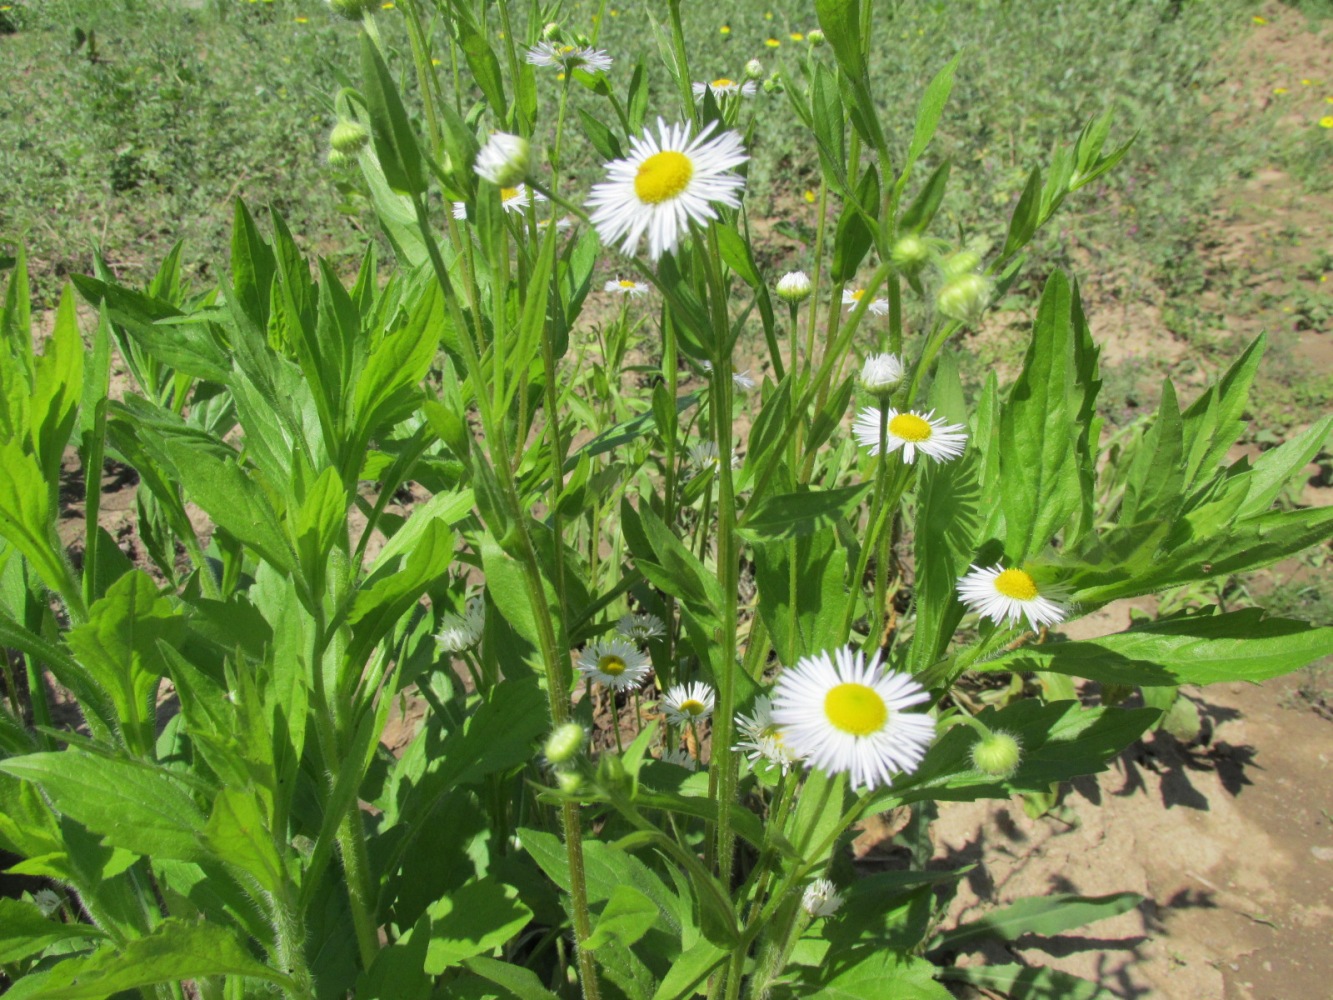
<point>667,663</point>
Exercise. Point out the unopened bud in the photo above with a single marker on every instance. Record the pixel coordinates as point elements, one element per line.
<point>959,263</point>
<point>997,755</point>
<point>881,374</point>
<point>814,36</point>
<point>337,159</point>
<point>349,137</point>
<point>910,254</point>
<point>965,298</point>
<point>794,286</point>
<point>504,160</point>
<point>564,744</point>
<point>569,782</point>
<point>773,85</point>
<point>754,70</point>
<point>551,31</point>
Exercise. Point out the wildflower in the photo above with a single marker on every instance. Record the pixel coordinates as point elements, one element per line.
<point>563,745</point>
<point>703,456</point>
<point>910,253</point>
<point>569,57</point>
<point>754,70</point>
<point>349,137</point>
<point>821,898</point>
<point>761,739</point>
<point>880,373</point>
<point>841,713</point>
<point>1005,595</point>
<point>724,30</point>
<point>459,632</point>
<point>997,754</point>
<point>809,196</point>
<point>1259,20</point>
<point>687,703</point>
<point>625,286</point>
<point>681,758</point>
<point>1326,121</point>
<point>504,160</point>
<point>665,184</point>
<point>850,297</point>
<point>815,37</point>
<point>724,87</point>
<point>795,286</point>
<point>964,298</point>
<point>512,199</point>
<point>302,20</point>
<point>796,36</point>
<point>912,432</point>
<point>1306,82</point>
<point>641,627</point>
<point>1280,91</point>
<point>741,380</point>
<point>615,663</point>
<point>772,43</point>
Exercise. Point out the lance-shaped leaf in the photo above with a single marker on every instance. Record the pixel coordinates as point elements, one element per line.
<point>1039,915</point>
<point>395,143</point>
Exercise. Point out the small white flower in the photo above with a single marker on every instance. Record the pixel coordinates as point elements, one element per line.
<point>851,296</point>
<point>624,286</point>
<point>681,758</point>
<point>503,160</point>
<point>761,738</point>
<point>641,627</point>
<point>512,199</point>
<point>686,703</point>
<point>821,898</point>
<point>725,87</point>
<point>795,286</point>
<point>740,379</point>
<point>879,373</point>
<point>460,632</point>
<point>1005,595</point>
<point>667,183</point>
<point>842,714</point>
<point>615,663</point>
<point>569,57</point>
<point>912,432</point>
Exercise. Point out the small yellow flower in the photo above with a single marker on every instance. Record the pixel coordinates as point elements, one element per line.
<point>1326,121</point>
<point>1306,82</point>
<point>613,12</point>
<point>796,36</point>
<point>1279,91</point>
<point>809,197</point>
<point>560,76</point>
<point>1259,20</point>
<point>303,20</point>
<point>772,43</point>
<point>435,62</point>
<point>387,6</point>
<point>768,15</point>
<point>724,30</point>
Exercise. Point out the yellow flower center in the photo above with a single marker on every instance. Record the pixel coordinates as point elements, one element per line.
<point>566,49</point>
<point>611,665</point>
<point>626,283</point>
<point>507,193</point>
<point>693,707</point>
<point>909,427</point>
<point>858,294</point>
<point>1016,584</point>
<point>663,176</point>
<point>856,709</point>
<point>722,81</point>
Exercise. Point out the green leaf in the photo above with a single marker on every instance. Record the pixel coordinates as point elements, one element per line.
<point>26,519</point>
<point>855,233</point>
<point>25,930</point>
<point>522,983</point>
<point>921,212</point>
<point>485,67</point>
<point>389,388</point>
<point>1195,649</point>
<point>1046,915</point>
<point>689,970</point>
<point>829,124</point>
<point>238,833</point>
<point>1027,215</point>
<point>395,143</point>
<point>57,386</point>
<point>802,593</point>
<point>143,808</point>
<point>794,515</point>
<point>394,587</point>
<point>475,920</point>
<point>627,916</point>
<point>1026,982</point>
<point>884,973</point>
<point>602,138</point>
<point>175,950</point>
<point>928,116</point>
<point>840,20</point>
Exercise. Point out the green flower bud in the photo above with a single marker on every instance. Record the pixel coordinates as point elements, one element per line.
<point>910,254</point>
<point>569,782</point>
<point>754,70</point>
<point>338,159</point>
<point>795,287</point>
<point>504,160</point>
<point>551,32</point>
<point>997,755</point>
<point>773,85</point>
<point>965,298</point>
<point>349,137</point>
<point>564,744</point>
<point>960,263</point>
<point>814,36</point>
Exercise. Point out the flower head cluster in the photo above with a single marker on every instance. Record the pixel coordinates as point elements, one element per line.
<point>689,703</point>
<point>1006,595</point>
<point>841,713</point>
<point>910,432</point>
<point>615,663</point>
<point>460,632</point>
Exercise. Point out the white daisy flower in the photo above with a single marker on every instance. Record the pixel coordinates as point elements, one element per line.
<point>615,663</point>
<point>912,432</point>
<point>760,737</point>
<point>460,632</point>
<point>795,286</point>
<point>569,57</point>
<point>641,627</point>
<point>686,703</point>
<point>504,160</point>
<point>742,380</point>
<point>879,373</point>
<point>624,286</point>
<point>821,898</point>
<point>512,199</point>
<point>725,87</point>
<point>666,183</point>
<point>703,457</point>
<point>681,758</point>
<point>851,296</point>
<point>1005,595</point>
<point>840,713</point>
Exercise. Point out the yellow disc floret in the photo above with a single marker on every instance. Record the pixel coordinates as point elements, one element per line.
<point>856,708</point>
<point>909,427</point>
<point>611,665</point>
<point>663,176</point>
<point>693,707</point>
<point>1016,584</point>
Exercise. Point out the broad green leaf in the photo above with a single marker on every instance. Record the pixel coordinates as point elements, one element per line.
<point>25,930</point>
<point>475,920</point>
<point>1026,982</point>
<point>319,524</point>
<point>394,587</point>
<point>790,515</point>
<point>802,593</point>
<point>521,982</point>
<point>141,807</point>
<point>627,916</point>
<point>1195,649</point>
<point>238,834</point>
<point>25,519</point>
<point>602,138</point>
<point>1045,915</point>
<point>57,386</point>
<point>175,950</point>
<point>883,973</point>
<point>1278,468</point>
<point>928,116</point>
<point>855,232</point>
<point>388,389</point>
<point>485,67</point>
<point>1214,422</point>
<point>690,970</point>
<point>840,20</point>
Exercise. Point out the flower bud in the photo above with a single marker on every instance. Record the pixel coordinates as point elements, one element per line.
<point>814,36</point>
<point>959,263</point>
<point>582,40</point>
<point>964,298</point>
<point>773,85</point>
<point>349,137</point>
<point>337,159</point>
<point>910,254</point>
<point>794,286</point>
<point>881,373</point>
<point>569,782</point>
<point>821,898</point>
<point>564,744</point>
<point>754,70</point>
<point>551,32</point>
<point>504,160</point>
<point>997,755</point>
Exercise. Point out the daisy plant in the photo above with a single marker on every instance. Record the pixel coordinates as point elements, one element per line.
<point>367,707</point>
